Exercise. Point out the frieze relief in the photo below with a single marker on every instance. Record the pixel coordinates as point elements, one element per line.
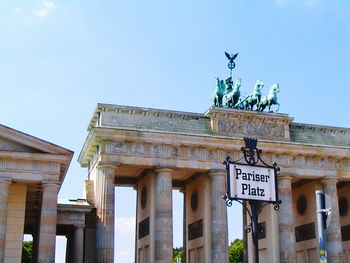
<point>218,155</point>
<point>119,147</point>
<point>23,166</point>
<point>251,128</point>
<point>3,164</point>
<point>174,151</point>
<point>138,149</point>
<point>158,151</point>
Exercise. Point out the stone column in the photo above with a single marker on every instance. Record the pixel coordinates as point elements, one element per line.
<point>333,232</point>
<point>4,194</point>
<point>69,248</point>
<point>285,221</point>
<point>163,216</point>
<point>219,229</point>
<point>48,221</point>
<point>105,214</point>
<point>79,244</point>
<point>184,226</point>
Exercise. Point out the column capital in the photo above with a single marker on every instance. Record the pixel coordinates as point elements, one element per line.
<point>164,169</point>
<point>327,180</point>
<point>284,177</point>
<point>79,227</point>
<point>110,165</point>
<point>216,172</point>
<point>46,184</point>
<point>5,180</point>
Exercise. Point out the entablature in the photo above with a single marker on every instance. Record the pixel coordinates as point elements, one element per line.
<point>135,151</point>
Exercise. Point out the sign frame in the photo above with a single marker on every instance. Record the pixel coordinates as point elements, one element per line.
<point>274,169</point>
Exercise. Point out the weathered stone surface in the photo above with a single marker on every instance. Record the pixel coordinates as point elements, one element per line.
<point>48,220</point>
<point>4,194</point>
<point>333,232</point>
<point>163,216</point>
<point>219,235</point>
<point>286,221</point>
<point>317,134</point>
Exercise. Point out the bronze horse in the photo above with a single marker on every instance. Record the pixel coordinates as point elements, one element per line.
<point>219,92</point>
<point>253,99</point>
<point>270,99</point>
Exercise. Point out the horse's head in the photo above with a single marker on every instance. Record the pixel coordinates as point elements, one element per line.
<point>258,85</point>
<point>275,88</point>
<point>217,82</point>
<point>219,86</point>
<point>237,84</point>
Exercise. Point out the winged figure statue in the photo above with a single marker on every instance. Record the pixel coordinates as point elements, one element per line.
<point>231,57</point>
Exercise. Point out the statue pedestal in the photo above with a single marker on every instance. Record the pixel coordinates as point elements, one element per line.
<point>243,123</point>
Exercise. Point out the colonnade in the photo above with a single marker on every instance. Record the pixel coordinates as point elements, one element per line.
<point>45,248</point>
<point>287,242</point>
<point>160,237</point>
<point>160,243</point>
<point>163,236</point>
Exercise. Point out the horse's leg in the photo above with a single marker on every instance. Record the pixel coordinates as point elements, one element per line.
<point>258,104</point>
<point>278,106</point>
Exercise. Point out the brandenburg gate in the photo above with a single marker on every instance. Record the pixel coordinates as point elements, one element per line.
<point>155,151</point>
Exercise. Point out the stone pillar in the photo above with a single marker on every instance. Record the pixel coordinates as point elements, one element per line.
<point>105,214</point>
<point>35,245</point>
<point>4,194</point>
<point>333,232</point>
<point>48,221</point>
<point>285,221</point>
<point>184,226</point>
<point>219,229</point>
<point>163,216</point>
<point>79,244</point>
<point>69,248</point>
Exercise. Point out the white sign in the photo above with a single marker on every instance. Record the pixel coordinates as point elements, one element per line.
<point>252,182</point>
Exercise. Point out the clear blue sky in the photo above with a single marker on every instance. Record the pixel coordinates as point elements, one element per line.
<point>60,58</point>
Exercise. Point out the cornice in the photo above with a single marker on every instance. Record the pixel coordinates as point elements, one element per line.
<point>131,110</point>
<point>321,128</point>
<point>42,157</point>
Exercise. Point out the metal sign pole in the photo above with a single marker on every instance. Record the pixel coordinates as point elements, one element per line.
<point>254,206</point>
<point>321,224</point>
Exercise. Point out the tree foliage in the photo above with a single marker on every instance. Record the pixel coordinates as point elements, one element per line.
<point>235,251</point>
<point>27,251</point>
<point>178,253</point>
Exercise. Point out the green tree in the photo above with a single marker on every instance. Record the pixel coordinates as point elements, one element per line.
<point>235,251</point>
<point>178,253</point>
<point>27,251</point>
